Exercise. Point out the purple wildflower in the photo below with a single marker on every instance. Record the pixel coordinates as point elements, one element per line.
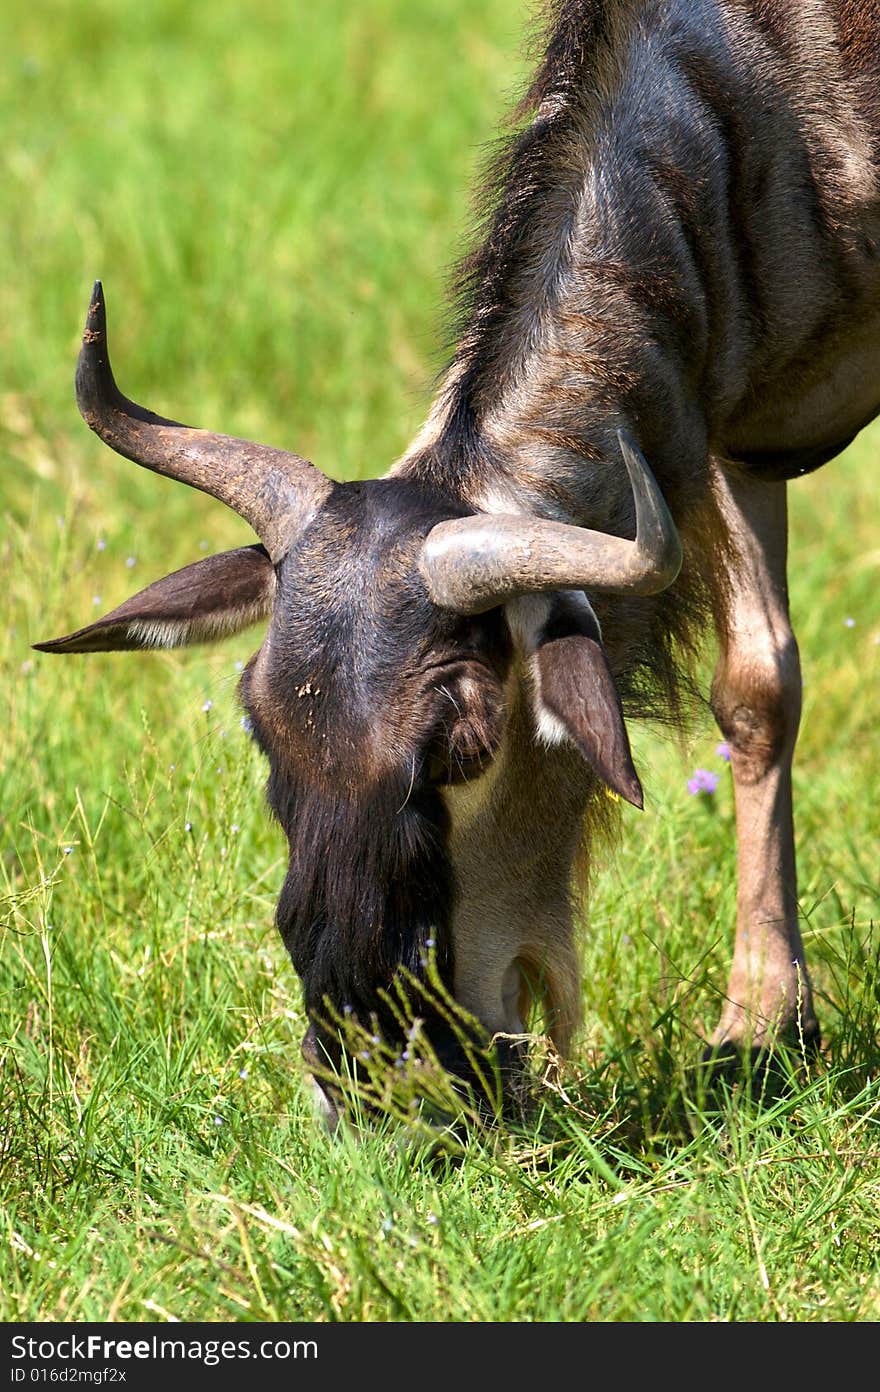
<point>723,751</point>
<point>131,561</point>
<point>703,781</point>
<point>850,622</point>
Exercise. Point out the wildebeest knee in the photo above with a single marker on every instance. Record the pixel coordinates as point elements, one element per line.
<point>756,700</point>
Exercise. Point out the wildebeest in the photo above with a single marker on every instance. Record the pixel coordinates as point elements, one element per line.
<point>672,310</point>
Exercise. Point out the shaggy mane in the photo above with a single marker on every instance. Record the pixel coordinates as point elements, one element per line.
<point>577,40</point>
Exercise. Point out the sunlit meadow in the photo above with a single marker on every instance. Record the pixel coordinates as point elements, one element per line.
<point>272,195</point>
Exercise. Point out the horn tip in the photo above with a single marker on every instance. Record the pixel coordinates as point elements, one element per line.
<point>96,320</point>
<point>94,379</point>
<point>627,444</point>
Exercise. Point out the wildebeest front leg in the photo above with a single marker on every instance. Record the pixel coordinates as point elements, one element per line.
<point>756,698</point>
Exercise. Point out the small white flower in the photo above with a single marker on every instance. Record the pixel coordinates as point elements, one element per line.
<point>131,561</point>
<point>207,705</point>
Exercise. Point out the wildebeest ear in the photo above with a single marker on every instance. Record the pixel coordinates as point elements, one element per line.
<point>213,598</point>
<point>576,696</point>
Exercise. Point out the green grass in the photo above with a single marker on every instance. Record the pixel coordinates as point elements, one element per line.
<point>272,197</point>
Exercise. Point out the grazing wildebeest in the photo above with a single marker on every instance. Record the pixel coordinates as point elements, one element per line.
<point>679,265</point>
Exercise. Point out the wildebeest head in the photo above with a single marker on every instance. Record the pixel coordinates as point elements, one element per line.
<point>401,626</point>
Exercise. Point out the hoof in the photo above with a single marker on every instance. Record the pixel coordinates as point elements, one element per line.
<point>765,1069</point>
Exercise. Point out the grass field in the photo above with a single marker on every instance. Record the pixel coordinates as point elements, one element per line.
<point>272,195</point>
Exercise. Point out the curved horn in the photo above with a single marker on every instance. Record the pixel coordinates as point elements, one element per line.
<point>470,564</point>
<point>273,490</point>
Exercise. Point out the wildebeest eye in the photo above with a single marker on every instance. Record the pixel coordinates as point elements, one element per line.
<point>461,749</point>
<point>447,763</point>
<point>468,723</point>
